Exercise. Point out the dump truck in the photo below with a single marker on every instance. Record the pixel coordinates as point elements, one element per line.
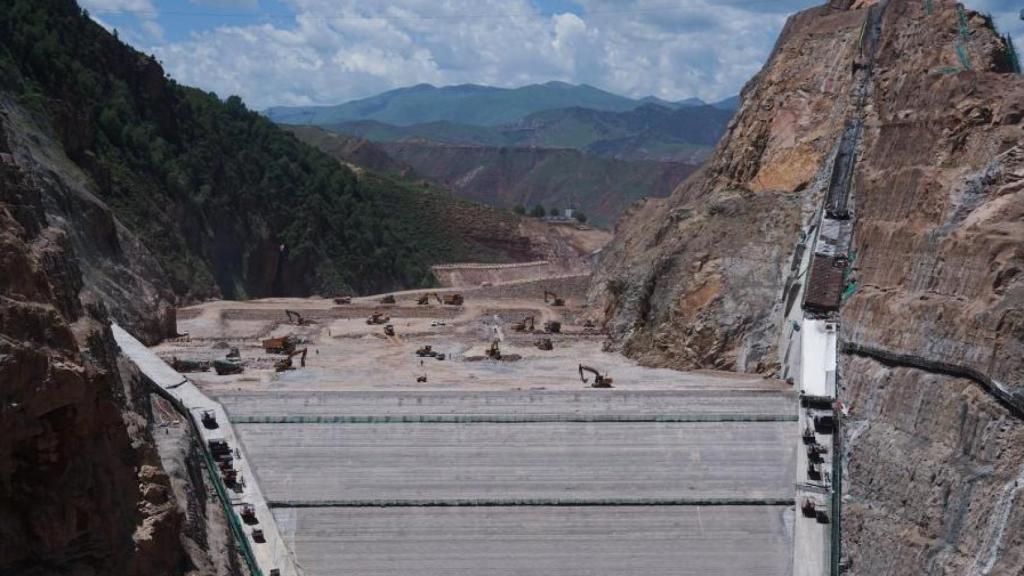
<point>286,362</point>
<point>258,537</point>
<point>282,345</point>
<point>553,327</point>
<point>378,318</point>
<point>525,326</point>
<point>450,299</point>
<point>600,381</point>
<point>248,514</point>
<point>343,300</point>
<point>555,300</point>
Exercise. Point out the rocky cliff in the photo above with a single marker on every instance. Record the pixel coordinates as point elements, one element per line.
<point>934,466</point>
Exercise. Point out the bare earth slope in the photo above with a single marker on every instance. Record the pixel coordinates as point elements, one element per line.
<point>934,461</point>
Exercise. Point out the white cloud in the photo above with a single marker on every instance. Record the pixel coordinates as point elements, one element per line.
<point>144,12</point>
<point>337,50</point>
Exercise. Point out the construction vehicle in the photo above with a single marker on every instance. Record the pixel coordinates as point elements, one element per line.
<point>389,299</point>
<point>283,345</point>
<point>343,300</point>
<point>248,515</point>
<point>389,330</point>
<point>450,299</point>
<point>258,537</point>
<point>426,351</point>
<point>378,318</point>
<point>588,324</point>
<point>553,327</point>
<point>286,362</point>
<point>600,381</point>
<point>210,420</point>
<point>816,452</point>
<point>218,446</point>
<point>809,507</point>
<point>808,435</point>
<point>544,344</point>
<point>181,365</point>
<point>525,326</point>
<point>494,352</point>
<point>555,300</point>
<point>297,319</point>
<point>813,470</point>
<point>227,366</point>
<point>824,423</point>
<point>423,299</point>
<point>421,378</point>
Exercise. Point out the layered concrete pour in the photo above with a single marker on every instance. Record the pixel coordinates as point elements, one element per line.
<point>500,468</point>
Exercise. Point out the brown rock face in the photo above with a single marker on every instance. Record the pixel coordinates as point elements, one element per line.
<point>935,474</point>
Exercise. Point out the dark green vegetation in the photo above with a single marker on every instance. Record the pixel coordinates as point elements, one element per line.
<point>650,132</point>
<point>227,202</point>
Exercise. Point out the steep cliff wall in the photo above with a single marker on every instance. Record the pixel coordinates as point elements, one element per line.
<point>934,467</point>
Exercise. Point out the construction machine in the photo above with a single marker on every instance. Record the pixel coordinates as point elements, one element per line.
<point>425,351</point>
<point>210,420</point>
<point>423,299</point>
<point>553,327</point>
<point>182,365</point>
<point>258,537</point>
<point>494,352</point>
<point>343,300</point>
<point>286,362</point>
<point>450,299</point>
<point>808,435</point>
<point>389,299</point>
<point>228,366</point>
<point>421,378</point>
<point>297,319</point>
<point>248,514</point>
<point>378,318</point>
<point>555,300</point>
<point>389,330</point>
<point>525,326</point>
<point>544,344</point>
<point>283,345</point>
<point>600,381</point>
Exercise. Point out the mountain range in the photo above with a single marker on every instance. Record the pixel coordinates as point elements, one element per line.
<point>470,104</point>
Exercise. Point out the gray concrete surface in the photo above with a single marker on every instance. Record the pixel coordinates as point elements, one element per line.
<point>524,403</point>
<point>310,462</point>
<point>542,541</point>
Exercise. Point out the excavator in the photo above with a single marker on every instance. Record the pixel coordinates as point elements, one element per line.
<point>297,319</point>
<point>600,381</point>
<point>555,300</point>
<point>525,326</point>
<point>450,299</point>
<point>286,362</point>
<point>494,352</point>
<point>553,327</point>
<point>378,318</point>
<point>389,330</point>
<point>389,299</point>
<point>544,344</point>
<point>423,299</point>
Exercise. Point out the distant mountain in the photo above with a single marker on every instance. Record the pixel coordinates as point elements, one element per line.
<point>731,103</point>
<point>648,132</point>
<point>464,104</point>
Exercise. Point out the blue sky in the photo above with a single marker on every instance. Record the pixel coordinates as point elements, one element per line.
<point>292,52</point>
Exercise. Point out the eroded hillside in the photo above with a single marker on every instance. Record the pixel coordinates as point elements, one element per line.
<point>934,320</point>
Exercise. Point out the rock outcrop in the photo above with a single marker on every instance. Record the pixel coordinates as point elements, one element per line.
<point>934,467</point>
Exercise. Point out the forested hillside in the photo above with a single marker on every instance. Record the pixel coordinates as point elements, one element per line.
<point>229,204</point>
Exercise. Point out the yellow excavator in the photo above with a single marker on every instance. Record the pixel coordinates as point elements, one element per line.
<point>600,381</point>
<point>555,300</point>
<point>525,326</point>
<point>286,362</point>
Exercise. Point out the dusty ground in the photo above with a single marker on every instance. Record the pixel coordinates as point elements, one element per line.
<point>345,353</point>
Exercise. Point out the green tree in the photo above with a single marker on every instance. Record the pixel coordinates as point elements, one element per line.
<point>553,212</point>
<point>519,209</point>
<point>538,211</point>
<point>580,217</point>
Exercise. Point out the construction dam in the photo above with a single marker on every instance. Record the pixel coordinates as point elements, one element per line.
<point>375,457</point>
